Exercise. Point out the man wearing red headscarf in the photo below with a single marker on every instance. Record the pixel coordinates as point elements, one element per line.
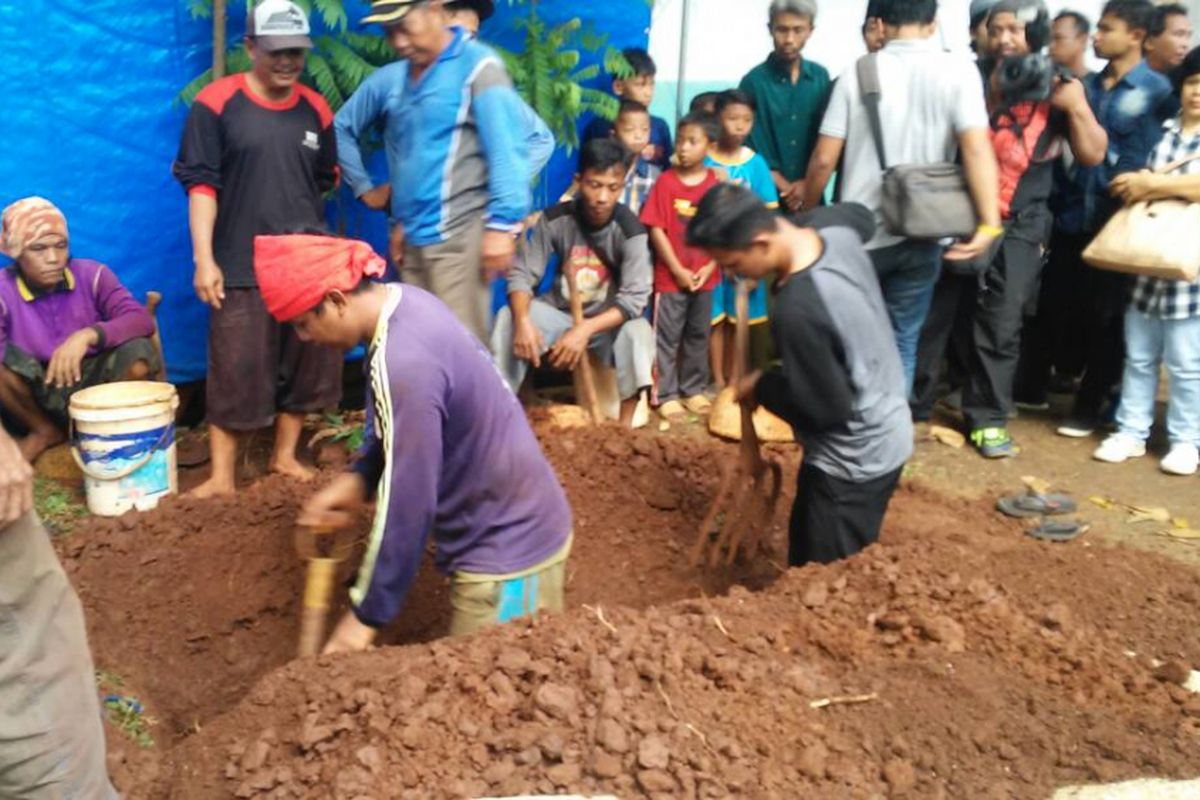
<point>448,451</point>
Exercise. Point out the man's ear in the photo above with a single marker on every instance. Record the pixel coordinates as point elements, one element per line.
<point>761,243</point>
<point>338,300</point>
<point>618,87</point>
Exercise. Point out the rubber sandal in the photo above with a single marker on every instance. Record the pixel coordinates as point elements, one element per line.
<point>1058,530</point>
<point>1030,504</point>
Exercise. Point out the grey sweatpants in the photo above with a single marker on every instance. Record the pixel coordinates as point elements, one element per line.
<point>51,733</point>
<point>453,272</point>
<point>629,348</point>
<point>682,322</point>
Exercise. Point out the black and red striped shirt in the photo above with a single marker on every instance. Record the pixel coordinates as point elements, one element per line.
<point>267,163</point>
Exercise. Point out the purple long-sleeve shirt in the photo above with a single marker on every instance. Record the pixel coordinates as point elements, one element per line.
<point>90,296</point>
<point>451,454</point>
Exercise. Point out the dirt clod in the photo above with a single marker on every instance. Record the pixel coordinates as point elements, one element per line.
<point>653,753</point>
<point>1174,672</point>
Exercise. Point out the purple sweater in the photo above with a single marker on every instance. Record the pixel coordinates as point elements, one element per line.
<point>91,296</point>
<point>451,454</point>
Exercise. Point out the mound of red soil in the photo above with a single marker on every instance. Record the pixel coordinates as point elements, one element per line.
<point>994,666</point>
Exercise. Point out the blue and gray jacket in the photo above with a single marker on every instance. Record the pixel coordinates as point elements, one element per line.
<point>454,140</point>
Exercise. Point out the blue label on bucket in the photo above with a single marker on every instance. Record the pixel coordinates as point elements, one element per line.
<point>115,451</point>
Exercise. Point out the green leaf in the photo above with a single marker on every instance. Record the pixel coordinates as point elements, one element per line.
<point>320,73</point>
<point>236,60</point>
<point>587,73</point>
<point>333,13</point>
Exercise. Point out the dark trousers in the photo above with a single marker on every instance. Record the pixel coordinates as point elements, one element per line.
<point>1055,337</point>
<point>1104,299</point>
<point>257,366</point>
<point>682,322</point>
<point>946,336</point>
<point>1009,285</point>
<point>833,518</point>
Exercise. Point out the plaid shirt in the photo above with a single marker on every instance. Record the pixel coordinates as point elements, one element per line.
<point>638,183</point>
<point>1155,297</point>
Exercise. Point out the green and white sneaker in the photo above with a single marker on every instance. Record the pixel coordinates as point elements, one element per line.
<point>993,442</point>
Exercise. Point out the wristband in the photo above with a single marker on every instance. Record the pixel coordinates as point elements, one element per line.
<point>990,230</point>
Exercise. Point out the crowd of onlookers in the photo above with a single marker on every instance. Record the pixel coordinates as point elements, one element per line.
<point>984,324</point>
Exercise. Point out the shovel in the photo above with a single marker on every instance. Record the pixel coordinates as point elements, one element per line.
<point>750,487</point>
<point>323,549</point>
<point>584,368</point>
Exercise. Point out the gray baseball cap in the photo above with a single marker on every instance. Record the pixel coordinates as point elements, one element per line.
<point>279,25</point>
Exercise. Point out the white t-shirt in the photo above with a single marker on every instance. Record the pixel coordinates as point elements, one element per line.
<point>929,97</point>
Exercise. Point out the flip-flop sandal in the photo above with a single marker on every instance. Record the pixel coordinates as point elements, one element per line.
<point>1031,504</point>
<point>1058,530</point>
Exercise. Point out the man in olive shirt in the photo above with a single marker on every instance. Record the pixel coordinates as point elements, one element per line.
<point>790,94</point>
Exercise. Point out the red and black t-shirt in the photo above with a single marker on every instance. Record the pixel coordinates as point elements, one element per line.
<point>267,163</point>
<point>670,206</point>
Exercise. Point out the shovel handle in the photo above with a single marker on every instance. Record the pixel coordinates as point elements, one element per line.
<point>751,456</point>
<point>318,589</point>
<point>584,367</point>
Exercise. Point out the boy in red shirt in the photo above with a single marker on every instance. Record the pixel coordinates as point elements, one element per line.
<point>684,277</point>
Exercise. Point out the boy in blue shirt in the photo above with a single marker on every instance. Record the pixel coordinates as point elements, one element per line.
<point>744,167</point>
<point>638,87</point>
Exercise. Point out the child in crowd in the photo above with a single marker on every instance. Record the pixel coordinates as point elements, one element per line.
<point>638,87</point>
<point>840,385</point>
<point>704,103</point>
<point>744,167</point>
<point>632,131</point>
<point>684,277</point>
<point>1162,323</point>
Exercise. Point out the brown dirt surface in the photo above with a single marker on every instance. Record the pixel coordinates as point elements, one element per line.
<point>996,666</point>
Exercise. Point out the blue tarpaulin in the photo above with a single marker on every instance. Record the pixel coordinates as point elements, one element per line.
<point>91,122</point>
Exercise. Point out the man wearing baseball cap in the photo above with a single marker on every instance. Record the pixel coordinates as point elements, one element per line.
<point>257,155</point>
<point>457,158</point>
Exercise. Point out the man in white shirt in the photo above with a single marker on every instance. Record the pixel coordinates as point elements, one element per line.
<point>931,109</point>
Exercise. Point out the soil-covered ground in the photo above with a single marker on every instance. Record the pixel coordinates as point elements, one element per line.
<point>984,664</point>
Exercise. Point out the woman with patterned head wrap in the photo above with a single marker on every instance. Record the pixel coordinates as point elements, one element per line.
<point>65,324</point>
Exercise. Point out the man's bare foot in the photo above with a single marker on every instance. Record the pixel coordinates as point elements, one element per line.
<point>213,488</point>
<point>38,442</point>
<point>292,468</point>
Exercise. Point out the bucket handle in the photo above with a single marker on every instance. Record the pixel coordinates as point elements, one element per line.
<point>124,473</point>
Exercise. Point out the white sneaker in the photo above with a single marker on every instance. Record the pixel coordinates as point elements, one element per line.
<point>1119,448</point>
<point>1183,459</point>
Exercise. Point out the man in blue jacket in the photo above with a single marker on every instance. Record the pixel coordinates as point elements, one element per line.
<point>470,15</point>
<point>458,163</point>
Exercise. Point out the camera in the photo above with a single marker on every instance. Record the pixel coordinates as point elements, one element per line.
<point>1029,78</point>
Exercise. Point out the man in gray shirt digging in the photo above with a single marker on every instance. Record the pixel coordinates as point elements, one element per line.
<point>841,385</point>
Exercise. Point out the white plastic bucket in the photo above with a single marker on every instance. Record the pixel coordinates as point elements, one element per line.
<point>123,440</point>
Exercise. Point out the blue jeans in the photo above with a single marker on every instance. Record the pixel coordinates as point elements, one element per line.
<point>907,274</point>
<point>1149,342</point>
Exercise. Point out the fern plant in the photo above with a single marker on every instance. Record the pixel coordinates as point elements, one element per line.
<point>547,73</point>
